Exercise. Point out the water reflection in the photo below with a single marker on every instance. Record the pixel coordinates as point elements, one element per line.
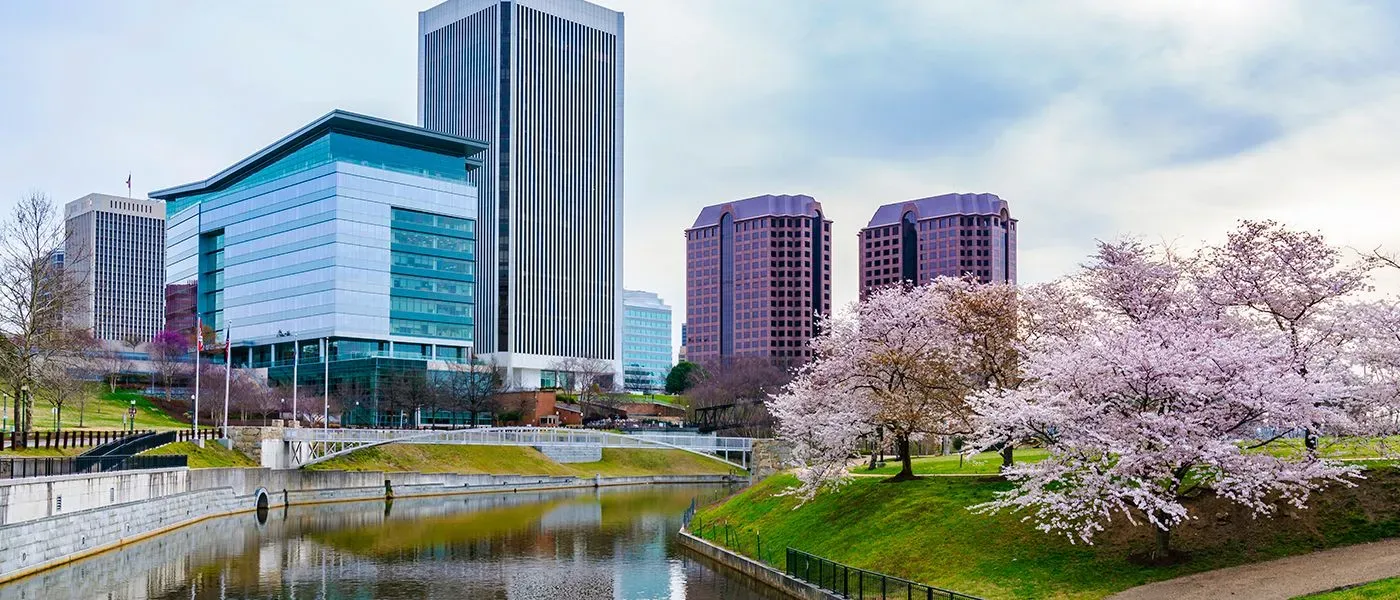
<point>610,543</point>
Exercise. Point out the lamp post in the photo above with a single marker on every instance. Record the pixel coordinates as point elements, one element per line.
<point>21,424</point>
<point>131,416</point>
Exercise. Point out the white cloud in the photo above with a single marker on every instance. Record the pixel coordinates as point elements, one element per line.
<point>1117,122</point>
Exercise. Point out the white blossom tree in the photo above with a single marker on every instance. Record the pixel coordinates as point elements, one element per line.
<point>1158,397</point>
<point>894,365</point>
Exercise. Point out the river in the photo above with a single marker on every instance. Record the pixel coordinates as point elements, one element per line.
<point>568,544</point>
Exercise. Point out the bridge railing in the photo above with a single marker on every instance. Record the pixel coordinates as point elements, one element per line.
<point>522,436</point>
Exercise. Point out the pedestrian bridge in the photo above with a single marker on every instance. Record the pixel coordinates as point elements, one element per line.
<point>302,447</point>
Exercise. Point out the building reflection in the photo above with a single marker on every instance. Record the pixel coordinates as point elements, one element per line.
<point>572,544</point>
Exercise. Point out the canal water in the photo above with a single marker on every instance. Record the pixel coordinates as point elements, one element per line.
<point>569,544</point>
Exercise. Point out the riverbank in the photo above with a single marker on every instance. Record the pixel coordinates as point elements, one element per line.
<point>50,521</point>
<point>922,530</point>
<point>455,458</point>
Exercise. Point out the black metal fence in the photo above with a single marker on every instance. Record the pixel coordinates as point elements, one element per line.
<point>851,582</point>
<point>841,579</point>
<point>15,468</point>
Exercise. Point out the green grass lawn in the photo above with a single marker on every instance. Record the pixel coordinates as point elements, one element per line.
<point>519,460</point>
<point>105,410</point>
<point>1338,447</point>
<point>1385,588</point>
<point>986,463</point>
<point>42,452</point>
<point>213,454</point>
<point>923,531</point>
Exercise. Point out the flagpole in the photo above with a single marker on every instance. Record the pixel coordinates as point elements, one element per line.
<point>326,358</point>
<point>228,375</point>
<point>198,349</point>
<point>296,382</point>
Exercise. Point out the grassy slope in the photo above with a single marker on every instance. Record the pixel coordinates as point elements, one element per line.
<point>41,452</point>
<point>105,410</point>
<point>213,454</point>
<point>988,463</point>
<point>922,530</point>
<point>1385,588</point>
<point>445,458</point>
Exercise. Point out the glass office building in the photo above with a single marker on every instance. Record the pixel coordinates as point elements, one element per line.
<point>353,238</point>
<point>646,341</point>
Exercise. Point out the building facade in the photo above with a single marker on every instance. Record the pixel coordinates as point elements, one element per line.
<point>682,353</point>
<point>540,81</point>
<point>952,235</point>
<point>646,341</point>
<point>116,246</point>
<point>353,238</point>
<point>758,273</point>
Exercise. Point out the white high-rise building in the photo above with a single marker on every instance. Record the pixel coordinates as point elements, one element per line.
<point>540,82</point>
<point>117,247</point>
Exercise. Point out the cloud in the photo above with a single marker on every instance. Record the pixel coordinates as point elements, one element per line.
<point>1169,119</point>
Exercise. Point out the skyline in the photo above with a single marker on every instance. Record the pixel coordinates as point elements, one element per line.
<point>1168,120</point>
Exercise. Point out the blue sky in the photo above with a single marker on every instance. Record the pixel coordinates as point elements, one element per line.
<point>1094,118</point>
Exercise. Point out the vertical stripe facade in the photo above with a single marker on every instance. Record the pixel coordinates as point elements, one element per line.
<point>540,81</point>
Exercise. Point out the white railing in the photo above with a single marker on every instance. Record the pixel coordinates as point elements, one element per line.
<point>521,436</point>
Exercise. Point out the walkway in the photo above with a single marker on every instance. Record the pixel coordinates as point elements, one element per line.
<point>308,446</point>
<point>1283,578</point>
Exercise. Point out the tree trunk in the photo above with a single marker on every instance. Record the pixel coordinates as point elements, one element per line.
<point>1007,454</point>
<point>1162,551</point>
<point>1310,442</point>
<point>906,469</point>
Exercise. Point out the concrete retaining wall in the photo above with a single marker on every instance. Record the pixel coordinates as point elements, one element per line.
<point>40,497</point>
<point>572,454</point>
<point>43,543</point>
<point>159,501</point>
<point>773,578</point>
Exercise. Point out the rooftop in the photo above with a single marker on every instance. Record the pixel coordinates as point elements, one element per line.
<point>768,205</point>
<point>340,121</point>
<point>940,206</point>
<point>643,299</point>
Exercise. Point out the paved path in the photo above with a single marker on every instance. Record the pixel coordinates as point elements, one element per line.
<point>1283,578</point>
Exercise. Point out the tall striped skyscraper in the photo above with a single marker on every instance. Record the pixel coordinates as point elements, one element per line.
<point>116,246</point>
<point>540,82</point>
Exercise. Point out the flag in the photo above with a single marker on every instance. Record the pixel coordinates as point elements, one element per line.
<point>199,334</point>
<point>128,184</point>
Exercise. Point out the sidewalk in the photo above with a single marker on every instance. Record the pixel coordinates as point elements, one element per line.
<point>1283,578</point>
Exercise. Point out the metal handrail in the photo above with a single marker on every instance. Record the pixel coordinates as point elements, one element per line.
<point>838,578</point>
<point>531,436</point>
<point>17,468</point>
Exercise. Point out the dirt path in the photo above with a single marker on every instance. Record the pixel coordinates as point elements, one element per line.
<point>1283,578</point>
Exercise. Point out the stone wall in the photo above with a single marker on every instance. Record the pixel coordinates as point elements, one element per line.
<point>39,497</point>
<point>770,456</point>
<point>158,501</point>
<point>39,544</point>
<point>249,440</point>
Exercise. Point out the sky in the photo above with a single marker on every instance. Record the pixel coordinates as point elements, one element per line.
<point>1164,119</point>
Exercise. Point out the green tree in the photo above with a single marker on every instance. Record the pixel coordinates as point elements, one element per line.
<point>679,379</point>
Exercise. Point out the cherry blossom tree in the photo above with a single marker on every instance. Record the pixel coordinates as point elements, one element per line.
<point>892,365</point>
<point>1294,282</point>
<point>1158,395</point>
